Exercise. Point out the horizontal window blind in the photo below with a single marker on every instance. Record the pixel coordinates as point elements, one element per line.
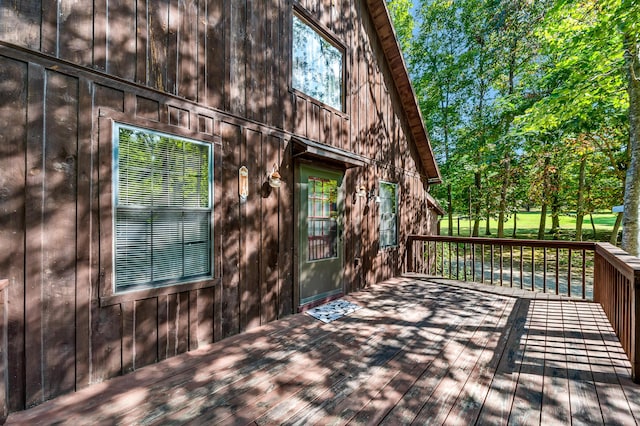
<point>162,209</point>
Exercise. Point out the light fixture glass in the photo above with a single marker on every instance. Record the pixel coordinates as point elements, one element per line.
<point>243,183</point>
<point>275,180</point>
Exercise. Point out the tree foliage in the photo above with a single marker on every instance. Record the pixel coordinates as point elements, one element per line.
<point>528,103</point>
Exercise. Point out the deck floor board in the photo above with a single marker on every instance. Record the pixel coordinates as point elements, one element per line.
<point>421,350</point>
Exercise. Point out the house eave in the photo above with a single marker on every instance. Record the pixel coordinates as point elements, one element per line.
<point>395,60</point>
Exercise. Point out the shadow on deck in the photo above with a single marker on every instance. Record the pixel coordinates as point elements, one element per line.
<point>420,350</point>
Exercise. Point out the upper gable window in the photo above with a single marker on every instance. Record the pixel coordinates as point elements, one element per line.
<point>317,64</point>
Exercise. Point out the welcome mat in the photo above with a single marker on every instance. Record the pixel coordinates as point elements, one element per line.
<point>333,310</point>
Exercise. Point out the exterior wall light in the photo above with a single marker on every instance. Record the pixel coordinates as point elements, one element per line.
<point>275,180</point>
<point>243,183</point>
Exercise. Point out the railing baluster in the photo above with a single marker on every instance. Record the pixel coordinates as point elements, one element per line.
<point>533,268</point>
<point>491,264</point>
<point>544,269</point>
<point>464,260</point>
<point>442,258</point>
<point>557,270</point>
<point>450,263</point>
<point>501,271</point>
<point>584,274</point>
<point>457,262</point>
<point>521,268</point>
<point>569,274</point>
<point>473,262</point>
<point>482,263</point>
<point>511,266</point>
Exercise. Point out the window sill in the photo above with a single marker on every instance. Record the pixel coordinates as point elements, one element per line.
<point>117,298</point>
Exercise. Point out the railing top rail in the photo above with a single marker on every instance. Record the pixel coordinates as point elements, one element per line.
<point>574,245</point>
<point>624,262</point>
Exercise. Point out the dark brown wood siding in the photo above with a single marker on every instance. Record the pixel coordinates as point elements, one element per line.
<point>213,70</point>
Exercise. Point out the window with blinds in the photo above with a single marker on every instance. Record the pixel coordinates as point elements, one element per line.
<point>388,214</point>
<point>162,208</point>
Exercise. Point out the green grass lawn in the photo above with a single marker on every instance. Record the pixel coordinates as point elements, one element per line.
<point>528,222</point>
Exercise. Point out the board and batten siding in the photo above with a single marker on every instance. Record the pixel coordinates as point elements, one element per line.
<point>214,70</point>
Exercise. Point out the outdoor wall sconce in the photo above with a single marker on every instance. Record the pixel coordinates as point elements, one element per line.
<point>243,183</point>
<point>372,196</point>
<point>360,192</point>
<point>275,180</point>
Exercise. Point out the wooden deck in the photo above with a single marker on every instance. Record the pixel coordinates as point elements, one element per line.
<point>419,350</point>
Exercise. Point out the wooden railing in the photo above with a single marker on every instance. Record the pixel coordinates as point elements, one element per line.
<point>617,277</point>
<point>559,267</point>
<point>591,271</point>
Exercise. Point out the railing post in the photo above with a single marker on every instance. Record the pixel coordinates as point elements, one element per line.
<point>410,254</point>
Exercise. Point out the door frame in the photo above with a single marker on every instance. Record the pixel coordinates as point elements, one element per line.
<point>321,166</point>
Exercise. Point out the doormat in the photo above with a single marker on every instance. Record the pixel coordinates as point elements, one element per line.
<point>333,310</point>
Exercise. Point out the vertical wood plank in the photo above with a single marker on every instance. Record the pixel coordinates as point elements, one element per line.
<point>163,328</point>
<point>4,407</point>
<point>20,24</point>
<point>231,140</point>
<point>202,28</point>
<point>313,122</point>
<point>172,47</point>
<point>270,236</point>
<point>121,47</point>
<point>256,61</point>
<point>251,233</point>
<point>35,193</point>
<point>205,318</point>
<point>275,70</point>
<point>128,337</point>
<point>187,59</point>
<point>219,221</point>
<point>142,41</point>
<point>106,336</point>
<point>157,53</point>
<point>87,239</point>
<point>301,116</point>
<point>182,323</point>
<point>75,32</point>
<point>15,120</point>
<point>286,224</point>
<point>237,36</point>
<point>193,320</point>
<point>49,28</point>
<point>100,47</point>
<point>216,55</point>
<point>145,332</point>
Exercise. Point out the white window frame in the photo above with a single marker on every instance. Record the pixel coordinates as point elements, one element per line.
<point>394,216</point>
<point>339,106</point>
<point>123,287</point>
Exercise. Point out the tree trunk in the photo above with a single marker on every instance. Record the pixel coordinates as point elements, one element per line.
<point>476,221</point>
<point>555,205</point>
<point>580,206</point>
<point>593,226</point>
<point>616,228</point>
<point>631,215</point>
<point>502,206</point>
<point>543,221</point>
<point>515,224</point>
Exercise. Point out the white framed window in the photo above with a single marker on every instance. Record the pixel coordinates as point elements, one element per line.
<point>162,206</point>
<point>317,64</point>
<point>388,214</point>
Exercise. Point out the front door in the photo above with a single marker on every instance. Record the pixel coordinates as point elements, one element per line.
<point>320,234</point>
